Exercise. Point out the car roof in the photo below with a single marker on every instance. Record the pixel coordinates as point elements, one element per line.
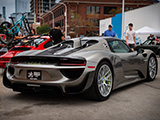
<point>97,38</point>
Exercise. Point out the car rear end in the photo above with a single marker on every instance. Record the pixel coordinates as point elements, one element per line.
<point>68,74</point>
<point>5,58</point>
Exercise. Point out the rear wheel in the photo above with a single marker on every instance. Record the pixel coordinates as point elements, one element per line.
<point>152,68</point>
<point>7,26</point>
<point>6,82</point>
<point>102,84</point>
<point>27,27</point>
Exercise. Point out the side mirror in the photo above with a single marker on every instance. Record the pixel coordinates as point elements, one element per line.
<point>140,51</point>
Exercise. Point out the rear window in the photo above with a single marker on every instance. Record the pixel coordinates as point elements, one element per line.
<point>88,42</point>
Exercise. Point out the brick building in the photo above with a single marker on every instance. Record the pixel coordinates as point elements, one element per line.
<point>38,7</point>
<point>84,8</point>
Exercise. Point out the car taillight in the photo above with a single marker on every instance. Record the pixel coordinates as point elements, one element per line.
<point>72,62</point>
<point>16,60</point>
<point>4,59</point>
<point>1,53</point>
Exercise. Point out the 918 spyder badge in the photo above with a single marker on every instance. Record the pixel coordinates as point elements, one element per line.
<point>34,74</point>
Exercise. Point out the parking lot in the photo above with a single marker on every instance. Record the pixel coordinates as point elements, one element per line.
<point>139,101</point>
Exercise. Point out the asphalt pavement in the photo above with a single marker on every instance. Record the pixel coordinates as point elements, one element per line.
<point>139,101</point>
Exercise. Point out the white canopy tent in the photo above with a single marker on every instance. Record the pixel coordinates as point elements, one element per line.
<point>147,30</point>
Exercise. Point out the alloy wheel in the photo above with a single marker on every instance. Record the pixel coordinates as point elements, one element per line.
<point>105,80</point>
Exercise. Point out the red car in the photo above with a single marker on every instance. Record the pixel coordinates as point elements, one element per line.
<point>34,44</point>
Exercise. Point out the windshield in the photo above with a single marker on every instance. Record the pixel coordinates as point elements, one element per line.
<point>34,42</point>
<point>118,46</point>
<point>150,42</point>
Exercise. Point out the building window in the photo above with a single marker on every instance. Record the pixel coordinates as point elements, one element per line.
<point>62,10</point>
<point>93,21</point>
<point>50,17</point>
<point>108,9</point>
<point>62,22</point>
<point>128,8</point>
<point>93,10</point>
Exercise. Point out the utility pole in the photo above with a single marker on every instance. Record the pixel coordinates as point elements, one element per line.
<point>123,19</point>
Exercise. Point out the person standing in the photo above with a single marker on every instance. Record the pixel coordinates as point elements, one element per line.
<point>56,34</point>
<point>151,37</point>
<point>131,37</point>
<point>109,32</point>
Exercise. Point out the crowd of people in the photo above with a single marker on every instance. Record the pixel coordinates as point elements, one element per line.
<point>57,36</point>
<point>130,35</point>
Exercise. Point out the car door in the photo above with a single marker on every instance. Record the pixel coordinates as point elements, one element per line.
<point>131,61</point>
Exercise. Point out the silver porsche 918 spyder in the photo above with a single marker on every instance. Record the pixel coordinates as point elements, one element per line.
<point>91,65</point>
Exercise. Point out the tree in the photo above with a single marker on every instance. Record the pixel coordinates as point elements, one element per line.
<point>115,11</point>
<point>76,22</point>
<point>92,24</point>
<point>44,29</point>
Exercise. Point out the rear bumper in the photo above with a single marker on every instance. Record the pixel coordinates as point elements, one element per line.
<point>52,77</point>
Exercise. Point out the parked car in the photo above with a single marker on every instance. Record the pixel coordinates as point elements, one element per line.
<point>27,44</point>
<point>92,65</point>
<point>151,45</point>
<point>3,50</point>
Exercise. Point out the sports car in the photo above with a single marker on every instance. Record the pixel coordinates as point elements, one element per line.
<point>151,45</point>
<point>93,66</point>
<point>33,44</point>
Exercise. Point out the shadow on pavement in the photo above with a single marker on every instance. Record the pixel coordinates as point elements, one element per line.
<point>49,98</point>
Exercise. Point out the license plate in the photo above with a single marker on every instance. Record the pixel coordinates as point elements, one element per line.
<point>34,74</point>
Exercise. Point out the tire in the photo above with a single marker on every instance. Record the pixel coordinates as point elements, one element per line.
<point>27,27</point>
<point>152,68</point>
<point>159,53</point>
<point>98,89</point>
<point>7,26</point>
<point>6,82</point>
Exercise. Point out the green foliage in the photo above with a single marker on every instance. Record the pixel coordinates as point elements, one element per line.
<point>44,29</point>
<point>115,11</point>
<point>75,23</point>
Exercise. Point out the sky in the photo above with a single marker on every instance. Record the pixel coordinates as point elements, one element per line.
<point>10,6</point>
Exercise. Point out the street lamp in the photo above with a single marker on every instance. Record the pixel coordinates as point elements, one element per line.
<point>65,14</point>
<point>41,18</point>
<point>52,18</point>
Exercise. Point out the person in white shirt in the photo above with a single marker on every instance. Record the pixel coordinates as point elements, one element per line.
<point>131,37</point>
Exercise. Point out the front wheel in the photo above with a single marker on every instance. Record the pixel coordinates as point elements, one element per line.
<point>102,84</point>
<point>152,68</point>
